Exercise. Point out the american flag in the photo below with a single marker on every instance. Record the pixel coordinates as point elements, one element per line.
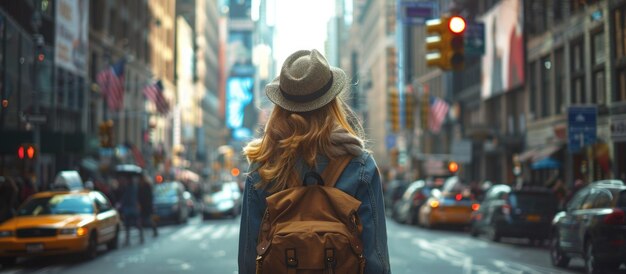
<point>111,82</point>
<point>438,111</point>
<point>154,92</point>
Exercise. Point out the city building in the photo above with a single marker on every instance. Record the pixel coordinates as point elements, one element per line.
<point>374,70</point>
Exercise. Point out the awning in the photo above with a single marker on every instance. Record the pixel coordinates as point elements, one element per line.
<point>527,155</point>
<point>546,152</point>
<point>539,153</point>
<point>546,163</point>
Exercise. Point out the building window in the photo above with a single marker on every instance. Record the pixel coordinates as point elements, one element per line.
<point>538,11</point>
<point>621,85</point>
<point>533,90</point>
<point>546,78</point>
<point>559,73</point>
<point>95,15</point>
<point>620,35</point>
<point>577,95</point>
<point>599,57</point>
<point>620,53</point>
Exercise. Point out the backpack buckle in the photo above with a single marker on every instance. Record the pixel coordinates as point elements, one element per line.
<point>290,258</point>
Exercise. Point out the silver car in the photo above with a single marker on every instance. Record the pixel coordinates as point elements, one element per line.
<point>223,199</point>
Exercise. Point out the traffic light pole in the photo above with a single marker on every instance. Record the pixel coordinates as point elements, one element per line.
<point>39,44</point>
<point>37,129</point>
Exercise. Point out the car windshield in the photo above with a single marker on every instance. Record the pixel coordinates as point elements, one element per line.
<point>534,202</point>
<point>57,205</point>
<point>165,190</point>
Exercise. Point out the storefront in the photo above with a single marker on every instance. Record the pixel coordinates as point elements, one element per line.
<point>545,156</point>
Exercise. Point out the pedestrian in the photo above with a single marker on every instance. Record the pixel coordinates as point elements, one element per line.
<point>308,132</point>
<point>146,203</point>
<point>8,198</point>
<point>559,190</point>
<point>129,205</point>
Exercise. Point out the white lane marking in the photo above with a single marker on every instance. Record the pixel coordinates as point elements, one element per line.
<point>201,233</point>
<point>234,231</point>
<point>219,232</point>
<point>513,267</point>
<point>178,234</point>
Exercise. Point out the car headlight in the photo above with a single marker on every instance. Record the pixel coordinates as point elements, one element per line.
<point>6,233</point>
<point>226,204</point>
<point>81,231</point>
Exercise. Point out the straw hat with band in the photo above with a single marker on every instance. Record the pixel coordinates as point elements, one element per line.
<point>306,82</point>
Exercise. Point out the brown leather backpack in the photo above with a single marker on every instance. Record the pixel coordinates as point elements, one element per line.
<point>312,229</point>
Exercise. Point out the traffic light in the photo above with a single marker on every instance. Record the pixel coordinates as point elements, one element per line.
<point>26,151</point>
<point>105,131</point>
<point>453,167</point>
<point>394,109</point>
<point>446,43</point>
<point>409,111</point>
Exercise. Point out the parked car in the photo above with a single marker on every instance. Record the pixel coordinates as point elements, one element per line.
<point>523,213</point>
<point>170,203</point>
<point>60,222</point>
<point>453,204</point>
<point>406,210</point>
<point>224,199</point>
<point>593,226</point>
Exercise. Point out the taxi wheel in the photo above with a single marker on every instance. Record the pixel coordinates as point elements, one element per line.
<point>113,244</point>
<point>8,261</point>
<point>92,247</point>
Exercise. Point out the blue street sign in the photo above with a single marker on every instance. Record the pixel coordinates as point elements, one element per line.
<point>581,127</point>
<point>390,141</point>
<point>474,40</point>
<point>417,13</point>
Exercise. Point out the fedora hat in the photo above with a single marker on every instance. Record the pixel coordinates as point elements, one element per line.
<point>306,82</point>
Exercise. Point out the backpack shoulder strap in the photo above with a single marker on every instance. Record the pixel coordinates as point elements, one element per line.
<point>334,169</point>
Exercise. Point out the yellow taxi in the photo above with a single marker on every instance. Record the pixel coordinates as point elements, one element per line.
<point>447,209</point>
<point>60,222</point>
<point>453,204</point>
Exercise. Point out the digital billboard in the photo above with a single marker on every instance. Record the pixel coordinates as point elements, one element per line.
<point>239,100</point>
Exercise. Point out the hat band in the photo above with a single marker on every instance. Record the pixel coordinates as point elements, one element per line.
<point>308,97</point>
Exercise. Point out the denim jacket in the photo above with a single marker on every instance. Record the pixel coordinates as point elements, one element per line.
<point>360,179</point>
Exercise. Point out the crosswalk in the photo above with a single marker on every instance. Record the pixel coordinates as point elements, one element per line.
<point>202,231</point>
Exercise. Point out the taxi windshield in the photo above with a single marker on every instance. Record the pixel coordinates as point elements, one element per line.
<point>57,205</point>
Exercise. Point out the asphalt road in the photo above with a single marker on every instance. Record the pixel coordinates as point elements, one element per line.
<point>211,247</point>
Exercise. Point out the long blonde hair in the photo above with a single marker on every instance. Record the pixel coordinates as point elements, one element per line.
<point>290,136</point>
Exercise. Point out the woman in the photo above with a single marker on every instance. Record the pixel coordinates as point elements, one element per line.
<point>308,127</point>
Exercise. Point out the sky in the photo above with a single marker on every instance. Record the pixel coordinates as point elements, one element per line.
<point>300,24</point>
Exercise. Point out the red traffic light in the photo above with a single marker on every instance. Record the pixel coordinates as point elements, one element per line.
<point>235,172</point>
<point>30,152</point>
<point>453,167</point>
<point>20,152</point>
<point>41,57</point>
<point>457,24</point>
